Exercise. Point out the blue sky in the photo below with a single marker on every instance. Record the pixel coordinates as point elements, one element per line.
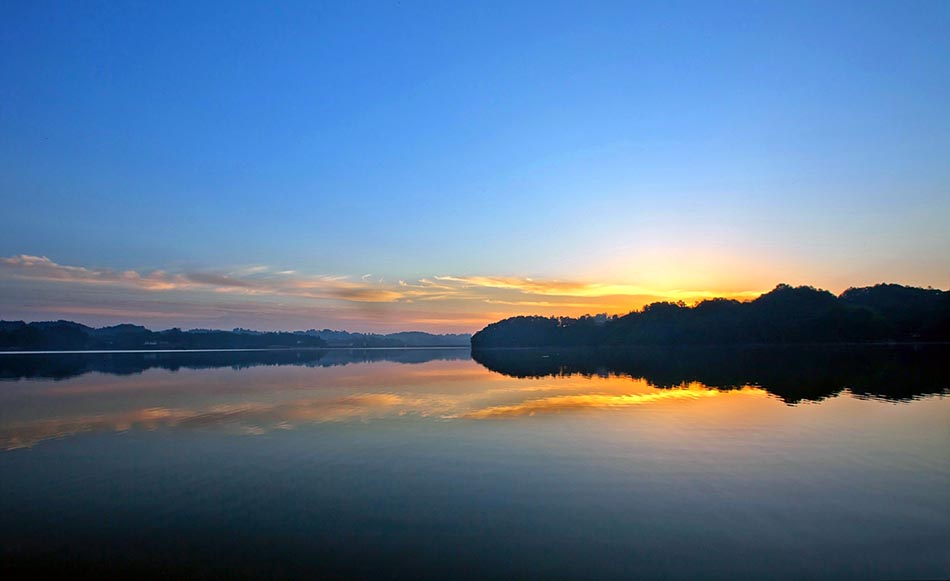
<point>681,147</point>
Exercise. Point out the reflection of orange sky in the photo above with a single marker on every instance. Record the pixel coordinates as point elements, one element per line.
<point>564,403</point>
<point>261,399</point>
<point>247,382</point>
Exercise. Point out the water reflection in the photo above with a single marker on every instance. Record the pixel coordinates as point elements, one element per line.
<point>793,373</point>
<point>251,418</point>
<point>15,366</point>
<point>566,403</point>
<point>256,393</point>
<point>518,465</point>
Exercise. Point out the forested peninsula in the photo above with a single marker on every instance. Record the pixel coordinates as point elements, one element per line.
<point>787,314</point>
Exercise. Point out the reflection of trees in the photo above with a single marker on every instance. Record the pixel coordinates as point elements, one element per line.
<point>65,365</point>
<point>793,373</point>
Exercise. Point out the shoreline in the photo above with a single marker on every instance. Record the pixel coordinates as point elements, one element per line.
<point>720,345</point>
<point>259,349</point>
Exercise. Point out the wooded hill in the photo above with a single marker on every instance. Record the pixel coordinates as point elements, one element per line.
<point>804,314</point>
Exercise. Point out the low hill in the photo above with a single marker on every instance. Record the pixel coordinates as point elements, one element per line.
<point>400,339</point>
<point>67,335</point>
<point>787,314</point>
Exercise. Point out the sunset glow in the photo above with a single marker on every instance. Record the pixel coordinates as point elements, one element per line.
<point>611,289</point>
<point>464,164</point>
<point>276,297</point>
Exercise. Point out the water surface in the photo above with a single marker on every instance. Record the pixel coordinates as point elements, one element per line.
<point>821,463</point>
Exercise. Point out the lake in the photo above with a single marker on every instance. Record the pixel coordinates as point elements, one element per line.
<point>719,463</point>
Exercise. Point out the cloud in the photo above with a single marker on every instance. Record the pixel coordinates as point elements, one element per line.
<point>581,289</point>
<point>256,280</point>
<point>218,280</point>
<point>128,313</point>
<point>588,305</point>
<point>264,293</point>
<point>42,268</point>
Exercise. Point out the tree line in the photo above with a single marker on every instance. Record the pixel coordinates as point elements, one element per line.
<point>787,314</point>
<point>67,335</point>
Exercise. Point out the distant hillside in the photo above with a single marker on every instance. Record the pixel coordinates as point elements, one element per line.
<point>885,312</point>
<point>67,335</point>
<point>401,339</point>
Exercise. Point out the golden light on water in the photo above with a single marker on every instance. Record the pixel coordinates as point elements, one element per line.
<point>566,403</point>
<point>438,390</point>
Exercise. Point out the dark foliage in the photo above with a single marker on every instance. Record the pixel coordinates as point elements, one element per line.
<point>69,336</point>
<point>785,315</point>
<point>65,335</point>
<point>401,339</point>
<point>912,312</point>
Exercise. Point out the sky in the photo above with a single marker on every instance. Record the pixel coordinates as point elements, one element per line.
<point>387,166</point>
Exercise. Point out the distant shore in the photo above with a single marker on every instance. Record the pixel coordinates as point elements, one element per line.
<point>720,345</point>
<point>335,348</point>
<point>70,336</point>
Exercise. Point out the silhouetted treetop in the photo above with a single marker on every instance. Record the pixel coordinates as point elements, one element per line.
<point>787,314</point>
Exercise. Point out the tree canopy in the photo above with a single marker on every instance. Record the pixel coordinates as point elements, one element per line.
<point>787,314</point>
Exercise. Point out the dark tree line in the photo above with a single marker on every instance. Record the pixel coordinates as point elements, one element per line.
<point>400,339</point>
<point>66,335</point>
<point>885,312</point>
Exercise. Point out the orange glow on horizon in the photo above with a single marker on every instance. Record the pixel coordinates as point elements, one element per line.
<point>272,298</point>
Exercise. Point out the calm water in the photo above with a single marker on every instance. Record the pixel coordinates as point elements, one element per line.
<point>820,463</point>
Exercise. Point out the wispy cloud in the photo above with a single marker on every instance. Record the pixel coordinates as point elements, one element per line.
<point>257,280</point>
<point>446,301</point>
<point>42,268</point>
<point>581,289</point>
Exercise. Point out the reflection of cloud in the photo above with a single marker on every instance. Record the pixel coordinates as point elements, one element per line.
<point>248,418</point>
<point>28,434</point>
<point>565,403</point>
<point>255,418</point>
